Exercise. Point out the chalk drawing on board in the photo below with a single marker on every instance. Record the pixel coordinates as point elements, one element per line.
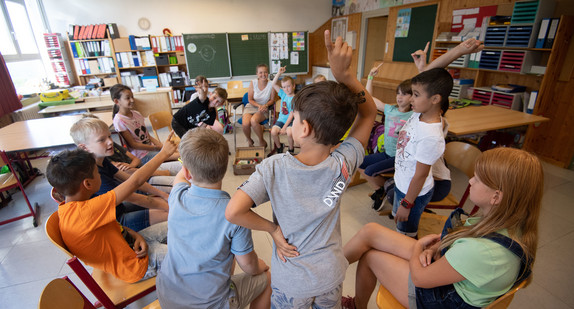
<point>192,48</point>
<point>207,53</point>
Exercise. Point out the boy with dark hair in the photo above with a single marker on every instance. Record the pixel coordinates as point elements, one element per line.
<point>197,270</point>
<point>305,190</point>
<point>88,225</point>
<point>141,211</point>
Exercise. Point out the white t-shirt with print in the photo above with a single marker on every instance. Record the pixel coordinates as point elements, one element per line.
<point>418,142</point>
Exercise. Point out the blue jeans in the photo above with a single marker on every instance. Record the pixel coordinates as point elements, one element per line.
<point>133,216</point>
<point>331,299</point>
<point>411,226</point>
<point>148,157</point>
<point>156,238</point>
<point>378,163</point>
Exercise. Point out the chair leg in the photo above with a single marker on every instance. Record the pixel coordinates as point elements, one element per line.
<point>87,279</point>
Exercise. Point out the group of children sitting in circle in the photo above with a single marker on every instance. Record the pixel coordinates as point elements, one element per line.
<point>110,225</point>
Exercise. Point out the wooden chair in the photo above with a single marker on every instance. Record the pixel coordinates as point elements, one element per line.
<point>153,305</point>
<point>463,156</point>
<point>386,300</point>
<point>10,181</point>
<point>267,123</point>
<point>110,291</point>
<point>159,120</point>
<point>62,293</point>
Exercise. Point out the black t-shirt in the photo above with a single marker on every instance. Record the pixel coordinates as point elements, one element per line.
<point>190,115</point>
<point>107,172</point>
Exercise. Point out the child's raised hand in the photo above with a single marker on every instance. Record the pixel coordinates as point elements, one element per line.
<point>282,70</point>
<point>169,146</point>
<point>420,57</point>
<point>470,46</point>
<point>340,55</point>
<point>284,249</point>
<point>375,70</point>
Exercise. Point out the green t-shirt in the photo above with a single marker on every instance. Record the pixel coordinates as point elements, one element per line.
<point>489,268</point>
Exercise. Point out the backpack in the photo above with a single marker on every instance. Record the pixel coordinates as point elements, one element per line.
<point>376,139</point>
<point>223,118</point>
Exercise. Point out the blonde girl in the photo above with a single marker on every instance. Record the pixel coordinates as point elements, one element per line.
<point>474,269</point>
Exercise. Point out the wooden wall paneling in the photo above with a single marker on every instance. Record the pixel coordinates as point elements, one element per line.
<point>553,140</point>
<point>375,44</point>
<point>318,53</point>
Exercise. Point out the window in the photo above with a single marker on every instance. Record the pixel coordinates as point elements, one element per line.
<point>21,26</point>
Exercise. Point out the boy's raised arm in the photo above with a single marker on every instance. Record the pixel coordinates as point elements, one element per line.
<point>469,46</point>
<point>275,82</point>
<point>340,55</point>
<point>140,176</point>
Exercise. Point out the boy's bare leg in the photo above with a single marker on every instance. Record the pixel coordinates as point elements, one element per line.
<point>275,136</point>
<point>263,301</point>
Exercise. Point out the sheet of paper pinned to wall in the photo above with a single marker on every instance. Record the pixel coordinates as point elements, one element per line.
<point>295,58</point>
<point>275,65</point>
<point>403,23</point>
<point>279,46</point>
<point>299,41</point>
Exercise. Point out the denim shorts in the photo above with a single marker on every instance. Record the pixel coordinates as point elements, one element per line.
<point>436,298</point>
<point>411,226</point>
<point>378,163</point>
<point>280,124</point>
<point>133,216</point>
<point>148,157</point>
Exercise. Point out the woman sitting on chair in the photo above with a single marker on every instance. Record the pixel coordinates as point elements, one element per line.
<point>261,97</point>
<point>473,264</point>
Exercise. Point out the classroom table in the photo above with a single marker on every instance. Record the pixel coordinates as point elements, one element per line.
<point>35,134</point>
<point>236,94</point>
<point>86,106</point>
<point>475,119</point>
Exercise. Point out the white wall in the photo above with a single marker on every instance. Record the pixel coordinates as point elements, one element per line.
<point>190,16</point>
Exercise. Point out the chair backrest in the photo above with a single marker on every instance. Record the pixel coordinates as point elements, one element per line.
<point>236,84</point>
<point>504,301</point>
<point>245,98</point>
<point>160,120</point>
<point>53,232</point>
<point>62,293</point>
<point>463,156</point>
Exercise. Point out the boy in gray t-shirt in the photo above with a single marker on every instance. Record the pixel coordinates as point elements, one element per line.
<point>308,265</point>
<point>197,271</point>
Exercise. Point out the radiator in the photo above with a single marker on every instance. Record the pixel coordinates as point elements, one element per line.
<point>27,113</point>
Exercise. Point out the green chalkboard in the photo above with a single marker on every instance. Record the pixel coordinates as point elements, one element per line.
<point>421,30</point>
<point>247,50</point>
<point>207,54</point>
<point>299,50</point>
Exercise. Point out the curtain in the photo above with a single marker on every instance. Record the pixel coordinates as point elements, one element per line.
<point>8,98</point>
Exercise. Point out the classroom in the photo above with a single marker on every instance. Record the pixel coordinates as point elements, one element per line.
<point>534,115</point>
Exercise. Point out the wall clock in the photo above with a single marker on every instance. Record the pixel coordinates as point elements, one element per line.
<point>144,23</point>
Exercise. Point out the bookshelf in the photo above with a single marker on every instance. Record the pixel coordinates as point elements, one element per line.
<point>171,64</point>
<point>93,58</point>
<point>59,59</point>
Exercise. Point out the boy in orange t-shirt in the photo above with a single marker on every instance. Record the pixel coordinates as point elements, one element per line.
<point>89,227</point>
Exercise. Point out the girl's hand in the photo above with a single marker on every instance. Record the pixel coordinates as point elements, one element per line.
<point>402,214</point>
<point>284,249</point>
<point>375,70</point>
<point>426,257</point>
<point>428,241</point>
<point>420,58</point>
<point>263,108</point>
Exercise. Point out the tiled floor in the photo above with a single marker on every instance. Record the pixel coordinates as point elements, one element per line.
<point>28,261</point>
